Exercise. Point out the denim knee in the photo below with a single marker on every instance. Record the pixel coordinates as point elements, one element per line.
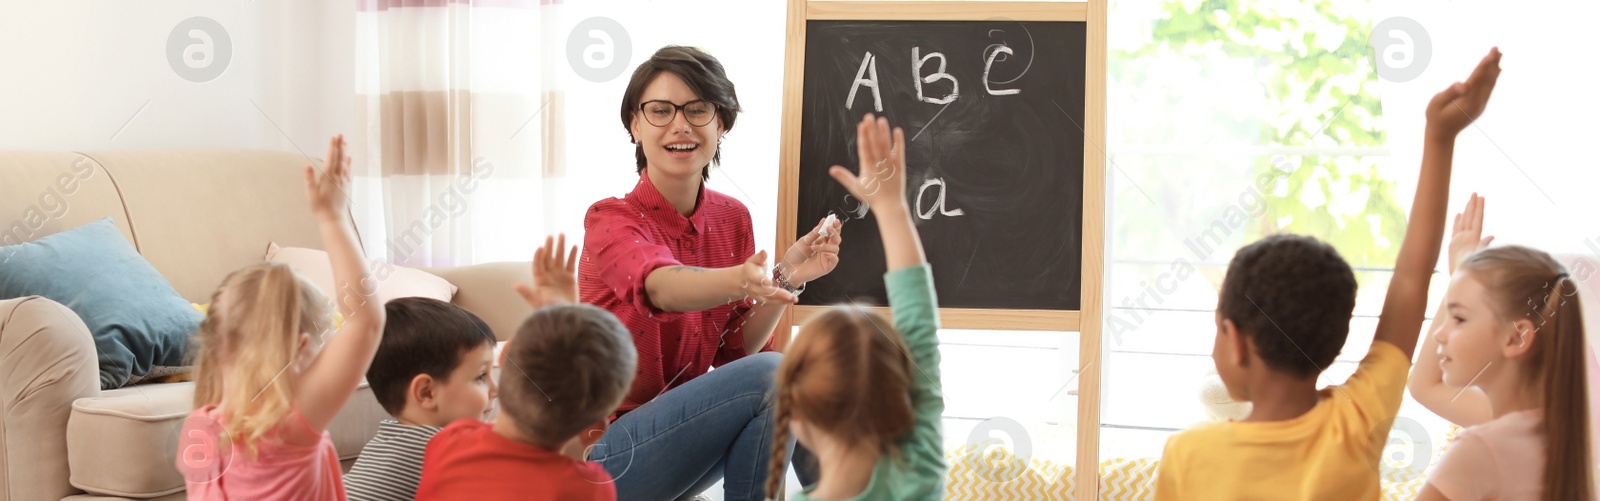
<point>760,369</point>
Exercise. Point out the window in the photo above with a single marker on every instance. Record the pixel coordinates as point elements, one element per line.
<point>1207,96</point>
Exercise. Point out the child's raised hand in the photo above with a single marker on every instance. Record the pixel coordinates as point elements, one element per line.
<point>1467,235</point>
<point>555,278</point>
<point>881,183</point>
<point>1452,109</point>
<point>326,192</point>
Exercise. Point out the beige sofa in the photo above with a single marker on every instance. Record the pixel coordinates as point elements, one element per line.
<point>195,216</point>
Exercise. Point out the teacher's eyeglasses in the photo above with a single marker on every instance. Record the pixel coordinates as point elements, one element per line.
<point>660,113</point>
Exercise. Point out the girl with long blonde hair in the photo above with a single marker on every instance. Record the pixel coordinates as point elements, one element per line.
<point>264,392</point>
<point>1506,357</point>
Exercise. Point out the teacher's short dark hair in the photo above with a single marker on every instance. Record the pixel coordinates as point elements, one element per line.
<point>701,72</point>
<point>568,367</point>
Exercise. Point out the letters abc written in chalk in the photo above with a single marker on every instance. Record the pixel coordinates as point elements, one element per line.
<point>867,76</point>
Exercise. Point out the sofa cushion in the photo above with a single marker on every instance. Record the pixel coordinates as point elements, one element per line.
<point>485,289</point>
<point>138,322</point>
<point>392,281</point>
<point>45,193</point>
<point>201,214</point>
<point>124,443</point>
<point>46,362</point>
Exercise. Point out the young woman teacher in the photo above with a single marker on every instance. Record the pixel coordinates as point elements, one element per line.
<point>676,262</point>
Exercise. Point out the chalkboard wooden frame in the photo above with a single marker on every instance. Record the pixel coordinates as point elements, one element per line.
<point>1087,319</point>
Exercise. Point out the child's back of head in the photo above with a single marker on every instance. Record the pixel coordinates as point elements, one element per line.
<point>567,368</point>
<point>432,338</point>
<point>847,375</point>
<point>254,329</point>
<point>1293,297</point>
<point>1282,317</point>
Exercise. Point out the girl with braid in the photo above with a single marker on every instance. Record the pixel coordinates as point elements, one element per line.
<point>862,395</point>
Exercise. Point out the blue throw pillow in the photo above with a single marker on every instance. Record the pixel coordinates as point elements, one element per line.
<point>138,321</point>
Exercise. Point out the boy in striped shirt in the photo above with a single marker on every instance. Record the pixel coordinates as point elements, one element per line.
<point>566,369</point>
<point>432,368</point>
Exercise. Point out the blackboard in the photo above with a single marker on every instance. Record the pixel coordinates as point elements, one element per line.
<point>1004,153</point>
<point>1027,170</point>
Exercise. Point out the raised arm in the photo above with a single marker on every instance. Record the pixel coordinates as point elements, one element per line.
<point>330,380</point>
<point>1462,406</point>
<point>1448,114</point>
<point>882,186</point>
<point>555,275</point>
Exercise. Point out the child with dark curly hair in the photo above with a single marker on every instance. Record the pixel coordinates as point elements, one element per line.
<point>1283,316</point>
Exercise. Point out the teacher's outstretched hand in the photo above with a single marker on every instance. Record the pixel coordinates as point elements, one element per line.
<point>756,284</point>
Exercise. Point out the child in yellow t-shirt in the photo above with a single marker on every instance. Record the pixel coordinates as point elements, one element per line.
<point>1283,316</point>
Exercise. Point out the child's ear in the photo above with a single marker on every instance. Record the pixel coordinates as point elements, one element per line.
<point>592,433</point>
<point>801,431</point>
<point>580,446</point>
<point>1523,335</point>
<point>421,391</point>
<point>1238,345</point>
<point>303,357</point>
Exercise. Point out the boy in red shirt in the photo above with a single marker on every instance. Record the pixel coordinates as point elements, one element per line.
<point>562,375</point>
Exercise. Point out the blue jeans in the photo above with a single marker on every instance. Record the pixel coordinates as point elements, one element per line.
<point>717,426</point>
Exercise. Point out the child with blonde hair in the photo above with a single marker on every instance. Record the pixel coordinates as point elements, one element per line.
<point>1506,357</point>
<point>865,396</point>
<point>264,394</point>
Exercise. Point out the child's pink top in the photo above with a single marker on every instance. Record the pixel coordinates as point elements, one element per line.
<point>1502,459</point>
<point>279,471</point>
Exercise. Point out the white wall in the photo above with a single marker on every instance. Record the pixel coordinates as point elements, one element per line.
<point>1531,153</point>
<point>74,75</point>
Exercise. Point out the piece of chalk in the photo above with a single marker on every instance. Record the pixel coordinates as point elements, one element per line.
<point>828,224</point>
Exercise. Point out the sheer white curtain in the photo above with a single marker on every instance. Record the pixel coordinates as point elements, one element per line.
<point>483,125</point>
<point>455,110</point>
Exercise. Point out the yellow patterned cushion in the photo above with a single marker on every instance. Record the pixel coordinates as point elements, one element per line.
<point>985,471</point>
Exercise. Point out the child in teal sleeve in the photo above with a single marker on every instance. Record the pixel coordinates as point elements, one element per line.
<point>863,396</point>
